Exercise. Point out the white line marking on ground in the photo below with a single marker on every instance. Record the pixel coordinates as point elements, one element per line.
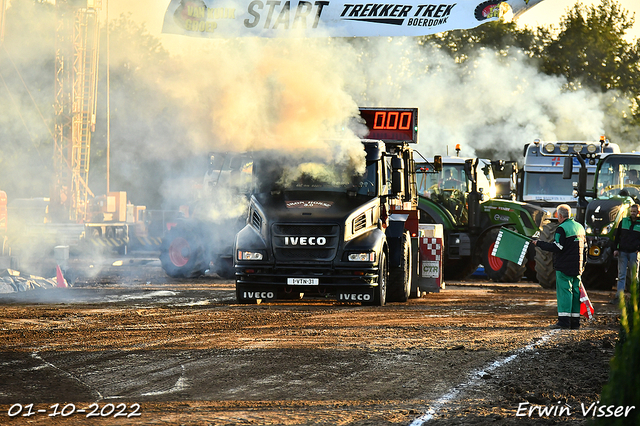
<point>476,376</point>
<point>39,358</point>
<point>181,384</point>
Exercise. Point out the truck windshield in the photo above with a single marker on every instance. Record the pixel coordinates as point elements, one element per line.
<point>550,186</point>
<point>619,176</point>
<point>447,188</point>
<point>452,177</point>
<point>317,177</point>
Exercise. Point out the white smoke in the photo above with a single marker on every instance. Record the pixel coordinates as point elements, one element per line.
<point>490,100</point>
<point>291,94</point>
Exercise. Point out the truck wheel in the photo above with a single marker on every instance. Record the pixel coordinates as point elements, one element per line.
<point>400,278</point>
<point>380,295</point>
<point>597,277</point>
<point>181,254</point>
<point>545,272</point>
<point>499,270</point>
<point>240,299</point>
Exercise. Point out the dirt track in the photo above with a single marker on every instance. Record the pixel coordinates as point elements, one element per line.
<point>474,353</point>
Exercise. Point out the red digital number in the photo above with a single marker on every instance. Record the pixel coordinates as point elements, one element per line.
<point>392,120</point>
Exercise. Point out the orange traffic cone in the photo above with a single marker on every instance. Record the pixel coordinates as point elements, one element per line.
<point>61,281</point>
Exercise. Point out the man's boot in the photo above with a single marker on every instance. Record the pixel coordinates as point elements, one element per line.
<point>563,323</point>
<point>575,323</point>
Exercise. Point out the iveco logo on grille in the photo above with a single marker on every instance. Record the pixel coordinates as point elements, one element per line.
<point>305,241</point>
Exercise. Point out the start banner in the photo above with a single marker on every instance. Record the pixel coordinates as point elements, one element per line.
<point>331,18</point>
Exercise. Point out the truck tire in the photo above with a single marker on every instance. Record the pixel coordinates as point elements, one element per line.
<point>545,272</point>
<point>499,270</point>
<point>181,253</point>
<point>400,278</point>
<point>597,277</point>
<point>380,294</point>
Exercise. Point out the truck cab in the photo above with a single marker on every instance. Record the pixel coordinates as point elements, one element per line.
<point>320,229</point>
<point>542,183</point>
<point>613,191</point>
<point>541,180</point>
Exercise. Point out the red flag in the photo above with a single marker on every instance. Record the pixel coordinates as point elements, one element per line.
<point>586,308</point>
<point>62,282</point>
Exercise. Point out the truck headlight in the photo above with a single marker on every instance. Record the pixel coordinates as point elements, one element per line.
<point>607,229</point>
<point>368,256</point>
<point>588,230</point>
<point>249,255</point>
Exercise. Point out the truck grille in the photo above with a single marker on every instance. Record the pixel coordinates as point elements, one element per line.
<point>305,242</point>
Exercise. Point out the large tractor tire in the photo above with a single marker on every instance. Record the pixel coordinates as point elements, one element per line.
<point>400,278</point>
<point>499,270</point>
<point>545,271</point>
<point>182,253</point>
<point>597,277</point>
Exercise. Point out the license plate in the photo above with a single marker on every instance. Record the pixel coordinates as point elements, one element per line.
<point>303,281</point>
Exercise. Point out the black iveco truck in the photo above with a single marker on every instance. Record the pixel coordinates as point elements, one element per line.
<point>318,230</point>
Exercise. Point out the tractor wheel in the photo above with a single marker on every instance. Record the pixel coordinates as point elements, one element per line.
<point>597,277</point>
<point>530,271</point>
<point>499,270</point>
<point>181,254</point>
<point>545,271</point>
<point>400,278</point>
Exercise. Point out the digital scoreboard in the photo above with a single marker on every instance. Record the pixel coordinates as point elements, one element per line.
<point>391,124</point>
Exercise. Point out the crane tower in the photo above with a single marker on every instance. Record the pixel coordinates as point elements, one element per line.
<point>76,79</point>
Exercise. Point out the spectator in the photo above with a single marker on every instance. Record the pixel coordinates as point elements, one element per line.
<point>626,243</point>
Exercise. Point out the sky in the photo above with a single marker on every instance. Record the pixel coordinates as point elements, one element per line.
<point>548,12</point>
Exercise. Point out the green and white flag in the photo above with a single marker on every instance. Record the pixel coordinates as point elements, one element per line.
<point>511,246</point>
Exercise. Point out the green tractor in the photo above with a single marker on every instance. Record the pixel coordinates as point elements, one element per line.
<point>612,194</point>
<point>454,193</point>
